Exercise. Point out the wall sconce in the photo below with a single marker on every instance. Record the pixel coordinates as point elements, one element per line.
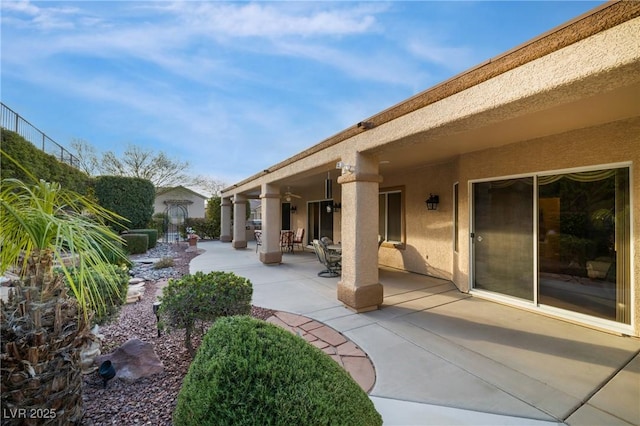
<point>293,209</point>
<point>432,202</point>
<point>346,168</point>
<point>337,207</point>
<point>329,208</point>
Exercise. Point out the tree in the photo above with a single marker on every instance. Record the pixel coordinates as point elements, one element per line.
<point>42,328</point>
<point>209,186</point>
<point>138,162</point>
<point>86,155</point>
<point>145,164</point>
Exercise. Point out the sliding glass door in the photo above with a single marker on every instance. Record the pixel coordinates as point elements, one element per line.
<point>320,220</point>
<point>573,254</point>
<point>502,241</point>
<point>584,242</point>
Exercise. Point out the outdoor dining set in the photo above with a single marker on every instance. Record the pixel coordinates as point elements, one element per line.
<point>328,253</point>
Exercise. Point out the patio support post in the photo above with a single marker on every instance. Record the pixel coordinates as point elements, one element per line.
<point>359,288</point>
<point>225,220</point>
<point>239,222</point>
<point>270,252</point>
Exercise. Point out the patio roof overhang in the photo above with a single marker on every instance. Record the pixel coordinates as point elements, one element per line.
<point>581,74</point>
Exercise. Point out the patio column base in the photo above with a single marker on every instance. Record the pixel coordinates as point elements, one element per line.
<point>225,238</point>
<point>239,244</point>
<point>271,258</point>
<point>361,299</point>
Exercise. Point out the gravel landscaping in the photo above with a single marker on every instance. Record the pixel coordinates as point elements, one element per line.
<point>148,401</point>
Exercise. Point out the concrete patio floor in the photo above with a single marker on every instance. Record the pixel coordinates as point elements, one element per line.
<point>445,358</point>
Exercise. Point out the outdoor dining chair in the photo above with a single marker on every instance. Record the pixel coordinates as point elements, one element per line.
<point>298,238</point>
<point>258,236</point>
<point>330,261</point>
<point>286,241</point>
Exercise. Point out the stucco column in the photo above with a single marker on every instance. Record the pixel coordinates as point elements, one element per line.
<point>239,222</point>
<point>225,220</point>
<point>359,288</point>
<point>270,252</point>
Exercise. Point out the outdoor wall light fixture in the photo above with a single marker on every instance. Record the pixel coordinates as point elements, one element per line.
<point>329,208</point>
<point>337,207</point>
<point>346,168</point>
<point>156,312</point>
<point>293,209</point>
<point>432,202</point>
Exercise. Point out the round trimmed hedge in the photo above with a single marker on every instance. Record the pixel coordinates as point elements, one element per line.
<point>250,372</point>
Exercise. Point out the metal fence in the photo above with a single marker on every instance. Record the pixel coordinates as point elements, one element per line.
<point>11,120</point>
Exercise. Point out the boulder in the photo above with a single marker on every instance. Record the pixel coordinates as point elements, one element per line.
<point>133,360</point>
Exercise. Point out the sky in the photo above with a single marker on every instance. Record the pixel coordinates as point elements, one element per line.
<point>233,88</point>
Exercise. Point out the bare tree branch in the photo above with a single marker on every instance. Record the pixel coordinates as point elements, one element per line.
<point>86,155</point>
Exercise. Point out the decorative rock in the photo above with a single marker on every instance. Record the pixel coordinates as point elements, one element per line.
<point>134,281</point>
<point>90,350</point>
<point>134,293</point>
<point>134,296</point>
<point>137,287</point>
<point>88,354</point>
<point>133,360</point>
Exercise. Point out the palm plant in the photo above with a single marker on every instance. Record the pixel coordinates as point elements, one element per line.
<point>43,329</point>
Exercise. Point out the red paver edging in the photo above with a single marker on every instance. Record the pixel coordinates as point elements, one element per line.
<point>342,350</point>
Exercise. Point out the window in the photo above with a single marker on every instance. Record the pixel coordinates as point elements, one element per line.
<point>390,216</point>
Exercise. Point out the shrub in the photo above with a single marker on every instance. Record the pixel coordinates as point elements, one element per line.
<point>131,198</point>
<point>151,233</point>
<point>204,297</point>
<point>114,297</point>
<point>42,165</point>
<point>165,262</point>
<point>251,372</point>
<point>136,243</point>
<point>160,221</point>
<point>116,254</point>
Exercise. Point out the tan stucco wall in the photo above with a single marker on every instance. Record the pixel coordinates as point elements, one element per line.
<point>196,209</point>
<point>429,233</point>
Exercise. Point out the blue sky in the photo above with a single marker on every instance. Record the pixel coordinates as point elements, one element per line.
<point>235,87</point>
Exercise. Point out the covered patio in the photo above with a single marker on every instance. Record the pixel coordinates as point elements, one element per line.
<point>443,356</point>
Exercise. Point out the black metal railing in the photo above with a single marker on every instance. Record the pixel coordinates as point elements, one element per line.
<point>11,120</point>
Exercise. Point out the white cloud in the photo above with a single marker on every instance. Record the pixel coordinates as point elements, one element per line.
<point>25,14</point>
<point>454,58</point>
<point>273,20</point>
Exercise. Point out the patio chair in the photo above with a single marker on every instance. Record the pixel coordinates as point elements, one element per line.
<point>258,236</point>
<point>330,261</point>
<point>298,238</point>
<point>286,241</point>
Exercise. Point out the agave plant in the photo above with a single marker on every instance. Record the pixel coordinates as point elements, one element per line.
<point>41,226</point>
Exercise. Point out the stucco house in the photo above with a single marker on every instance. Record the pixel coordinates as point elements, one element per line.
<point>179,202</point>
<point>533,157</point>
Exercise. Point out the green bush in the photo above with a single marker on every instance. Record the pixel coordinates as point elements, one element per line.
<point>42,165</point>
<point>165,262</point>
<point>250,372</point>
<point>203,297</point>
<point>151,233</point>
<point>131,198</point>
<point>160,222</point>
<point>114,297</point>
<point>136,243</point>
<point>116,255</point>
